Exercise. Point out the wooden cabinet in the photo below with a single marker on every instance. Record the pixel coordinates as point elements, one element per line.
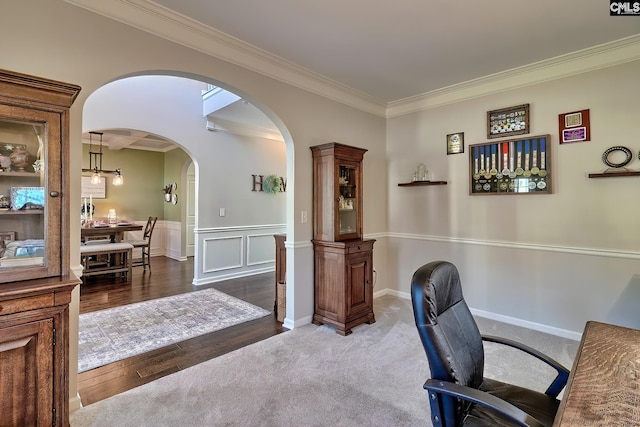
<point>34,350</point>
<point>343,261</point>
<point>34,117</point>
<point>337,192</point>
<point>343,277</point>
<point>35,278</point>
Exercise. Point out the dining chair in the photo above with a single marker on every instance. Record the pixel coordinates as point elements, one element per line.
<point>458,392</point>
<point>144,244</point>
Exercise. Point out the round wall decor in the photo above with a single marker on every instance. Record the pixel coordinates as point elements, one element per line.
<point>610,150</point>
<point>271,184</point>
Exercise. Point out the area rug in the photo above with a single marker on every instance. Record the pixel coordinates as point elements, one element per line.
<point>117,333</point>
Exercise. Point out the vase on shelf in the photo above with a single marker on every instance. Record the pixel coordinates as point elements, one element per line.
<point>5,162</point>
<point>19,159</point>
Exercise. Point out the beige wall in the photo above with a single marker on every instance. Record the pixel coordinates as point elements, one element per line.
<point>547,260</point>
<point>54,39</point>
<point>551,261</point>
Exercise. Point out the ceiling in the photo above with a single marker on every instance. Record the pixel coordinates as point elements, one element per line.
<point>385,51</point>
<point>391,50</point>
<point>116,139</point>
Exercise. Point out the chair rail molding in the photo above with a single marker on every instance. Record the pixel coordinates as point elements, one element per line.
<point>612,253</point>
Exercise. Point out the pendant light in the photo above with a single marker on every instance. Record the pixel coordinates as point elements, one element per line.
<point>95,164</point>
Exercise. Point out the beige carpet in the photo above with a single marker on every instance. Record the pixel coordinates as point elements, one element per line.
<point>311,376</point>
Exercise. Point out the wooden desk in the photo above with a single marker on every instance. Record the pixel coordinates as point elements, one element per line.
<point>115,232</point>
<point>604,385</point>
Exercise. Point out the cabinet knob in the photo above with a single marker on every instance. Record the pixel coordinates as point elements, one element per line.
<point>54,194</point>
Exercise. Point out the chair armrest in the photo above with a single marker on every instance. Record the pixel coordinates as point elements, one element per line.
<point>479,397</point>
<point>563,373</point>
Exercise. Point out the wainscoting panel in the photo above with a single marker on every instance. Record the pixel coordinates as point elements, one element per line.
<point>231,252</point>
<point>260,249</point>
<point>222,253</point>
<point>172,239</point>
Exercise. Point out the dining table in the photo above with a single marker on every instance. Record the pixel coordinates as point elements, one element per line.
<point>114,231</point>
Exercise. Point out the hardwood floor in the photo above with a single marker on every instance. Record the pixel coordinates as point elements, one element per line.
<point>170,277</point>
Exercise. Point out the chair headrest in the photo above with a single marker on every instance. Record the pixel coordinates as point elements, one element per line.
<point>434,288</point>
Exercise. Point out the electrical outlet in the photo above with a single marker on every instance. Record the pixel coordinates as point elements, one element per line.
<point>222,212</point>
<point>304,217</point>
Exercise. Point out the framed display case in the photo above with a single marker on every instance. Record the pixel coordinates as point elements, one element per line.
<point>508,121</point>
<point>515,166</point>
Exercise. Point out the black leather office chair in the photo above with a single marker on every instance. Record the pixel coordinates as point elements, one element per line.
<point>457,390</point>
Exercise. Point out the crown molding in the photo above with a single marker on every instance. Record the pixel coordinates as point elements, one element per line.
<point>150,17</point>
<point>591,59</point>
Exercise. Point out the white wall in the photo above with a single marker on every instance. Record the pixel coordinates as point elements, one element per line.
<point>553,260</point>
<point>172,107</point>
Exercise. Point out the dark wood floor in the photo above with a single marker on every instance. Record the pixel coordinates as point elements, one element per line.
<point>170,277</point>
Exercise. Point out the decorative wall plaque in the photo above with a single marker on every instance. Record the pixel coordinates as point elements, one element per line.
<point>574,127</point>
<point>455,143</point>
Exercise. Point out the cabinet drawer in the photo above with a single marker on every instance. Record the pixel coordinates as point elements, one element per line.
<point>25,304</point>
<point>362,247</point>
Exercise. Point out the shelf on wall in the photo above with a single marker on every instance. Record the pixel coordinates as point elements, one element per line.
<point>614,174</point>
<point>421,183</point>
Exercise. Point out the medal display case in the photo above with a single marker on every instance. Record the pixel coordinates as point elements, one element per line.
<point>343,261</point>
<point>515,166</point>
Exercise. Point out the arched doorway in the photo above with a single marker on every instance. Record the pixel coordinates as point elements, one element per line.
<point>228,154</point>
<point>202,155</point>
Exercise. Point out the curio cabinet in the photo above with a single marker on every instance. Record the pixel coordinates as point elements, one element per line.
<point>343,260</point>
<point>35,278</point>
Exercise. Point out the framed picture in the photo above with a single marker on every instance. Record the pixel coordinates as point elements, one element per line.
<point>508,121</point>
<point>511,166</point>
<point>97,191</point>
<point>455,143</point>
<point>574,126</point>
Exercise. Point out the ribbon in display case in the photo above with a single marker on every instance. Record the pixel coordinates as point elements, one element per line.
<point>514,166</point>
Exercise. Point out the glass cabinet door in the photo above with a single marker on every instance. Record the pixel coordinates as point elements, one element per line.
<point>25,199</point>
<point>348,205</point>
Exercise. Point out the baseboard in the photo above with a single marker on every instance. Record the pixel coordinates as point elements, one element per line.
<point>290,324</point>
<point>564,333</point>
<point>75,403</point>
